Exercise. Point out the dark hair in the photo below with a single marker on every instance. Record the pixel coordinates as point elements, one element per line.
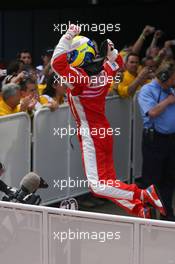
<point>22,51</point>
<point>47,52</point>
<point>165,70</point>
<point>131,54</point>
<point>13,67</point>
<point>49,90</point>
<point>23,84</point>
<point>146,59</point>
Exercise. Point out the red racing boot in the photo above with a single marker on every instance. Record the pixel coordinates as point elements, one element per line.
<point>147,212</point>
<point>151,196</point>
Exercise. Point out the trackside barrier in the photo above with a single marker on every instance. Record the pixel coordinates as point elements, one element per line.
<point>43,235</point>
<point>15,146</point>
<point>60,164</point>
<point>119,114</point>
<point>137,140</point>
<point>21,239</point>
<point>75,169</point>
<point>53,157</point>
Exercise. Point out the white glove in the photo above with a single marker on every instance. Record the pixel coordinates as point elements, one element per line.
<point>72,32</point>
<point>112,53</point>
<point>64,44</point>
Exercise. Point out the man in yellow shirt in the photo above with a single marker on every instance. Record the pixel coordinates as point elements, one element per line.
<point>29,89</point>
<point>10,99</point>
<point>131,79</point>
<point>10,102</point>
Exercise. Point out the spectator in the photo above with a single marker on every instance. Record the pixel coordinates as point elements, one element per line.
<point>165,53</point>
<point>14,72</point>
<point>154,49</point>
<point>114,85</point>
<point>131,80</point>
<point>168,47</point>
<point>25,56</point>
<point>29,89</point>
<point>31,72</point>
<point>44,69</point>
<point>157,104</point>
<point>10,100</point>
<point>46,56</point>
<point>137,46</point>
<point>149,62</point>
<point>153,52</point>
<point>55,89</point>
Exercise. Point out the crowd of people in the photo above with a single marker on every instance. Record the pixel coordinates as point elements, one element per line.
<point>25,87</point>
<point>139,69</point>
<point>28,88</point>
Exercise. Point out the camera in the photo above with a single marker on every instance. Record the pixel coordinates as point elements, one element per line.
<point>3,72</point>
<point>18,196</point>
<point>26,74</point>
<point>29,184</point>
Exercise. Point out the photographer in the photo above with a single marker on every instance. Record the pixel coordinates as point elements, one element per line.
<point>157,104</point>
<point>14,72</point>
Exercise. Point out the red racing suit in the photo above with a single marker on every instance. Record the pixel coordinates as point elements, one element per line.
<point>86,98</point>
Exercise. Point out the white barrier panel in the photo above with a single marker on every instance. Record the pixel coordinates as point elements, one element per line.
<point>84,240</point>
<point>76,170</point>
<point>43,235</point>
<point>21,236</point>
<point>15,147</point>
<point>58,163</point>
<point>50,151</point>
<point>119,114</point>
<point>157,245</point>
<point>137,140</point>
<point>54,158</point>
